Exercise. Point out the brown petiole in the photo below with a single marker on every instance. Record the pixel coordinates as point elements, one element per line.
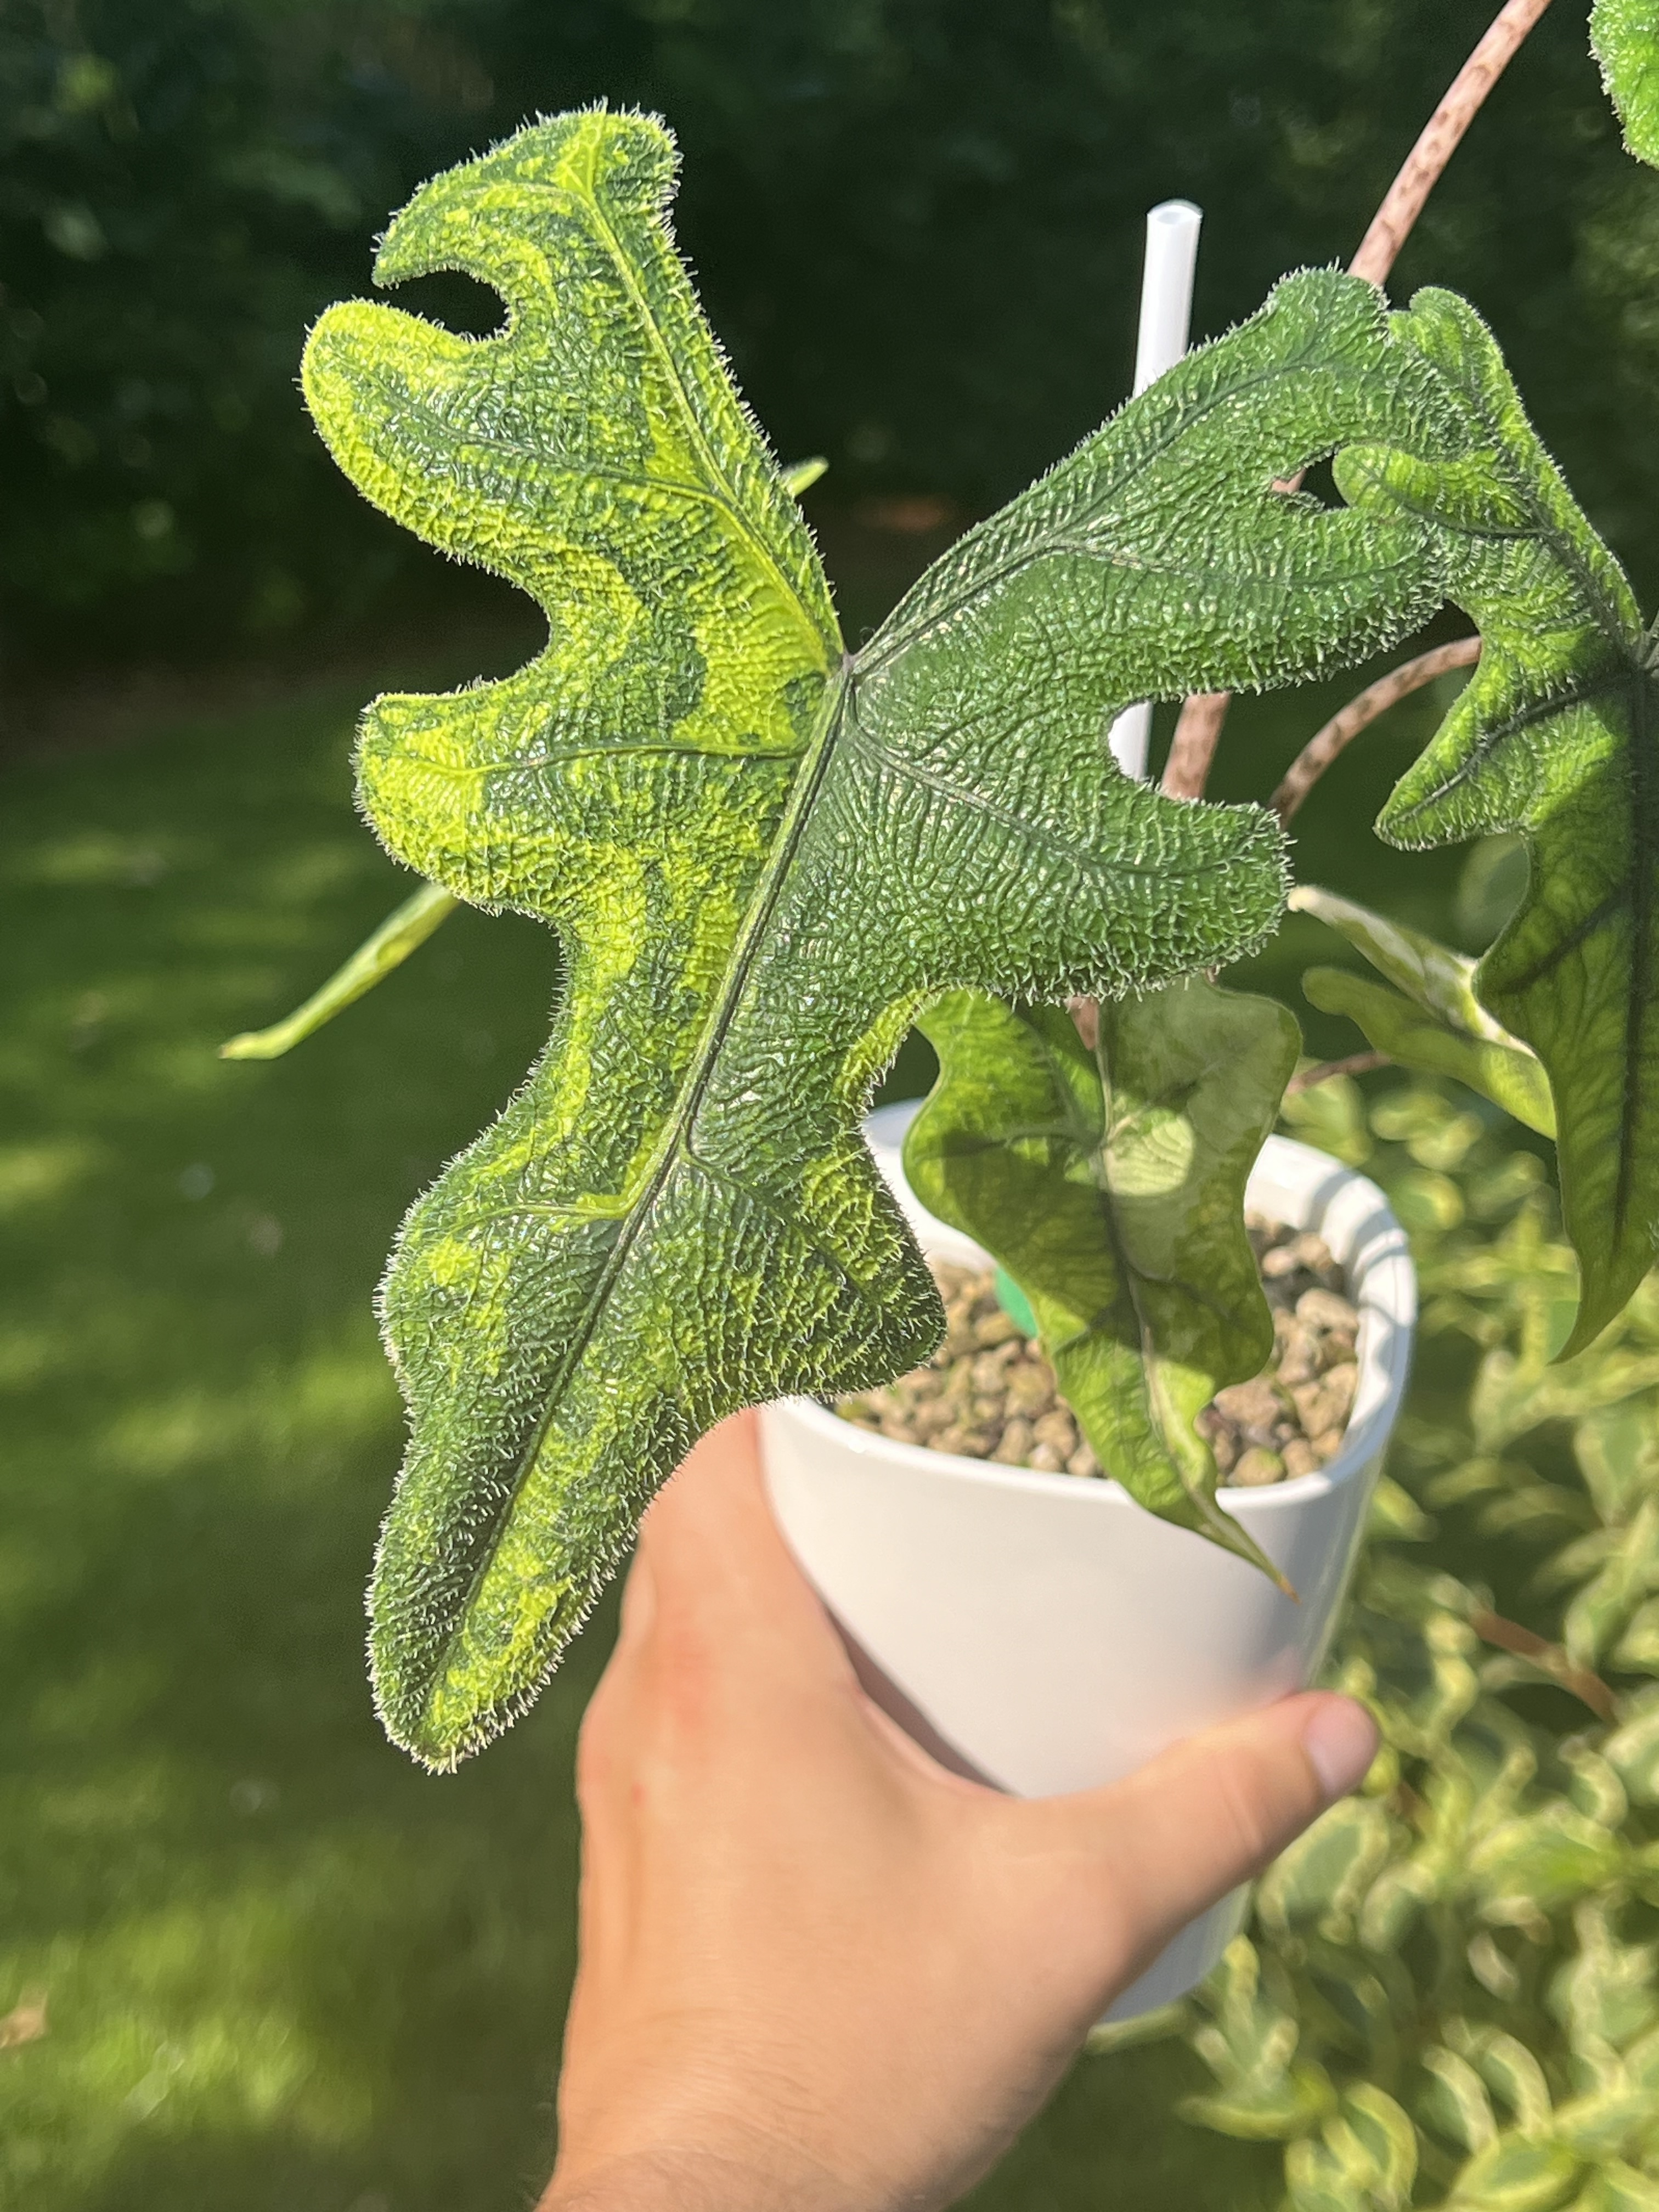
<point>1356,1063</point>
<point>1339,732</point>
<point>1199,730</point>
<point>1549,1658</point>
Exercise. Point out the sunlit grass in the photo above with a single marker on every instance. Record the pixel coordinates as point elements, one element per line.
<point>281,1968</point>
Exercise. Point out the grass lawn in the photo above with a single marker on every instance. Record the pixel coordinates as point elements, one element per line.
<point>285,1971</point>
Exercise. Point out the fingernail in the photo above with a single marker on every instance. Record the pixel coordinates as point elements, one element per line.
<point>1340,1740</point>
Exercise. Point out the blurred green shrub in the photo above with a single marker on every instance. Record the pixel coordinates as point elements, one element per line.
<point>1449,1994</point>
<point>917,223</point>
<point>180,192</point>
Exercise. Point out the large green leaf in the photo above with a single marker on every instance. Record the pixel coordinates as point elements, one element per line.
<point>764,855</point>
<point>1554,737</point>
<point>1626,36</point>
<point>1432,1021</point>
<point>1110,1184</point>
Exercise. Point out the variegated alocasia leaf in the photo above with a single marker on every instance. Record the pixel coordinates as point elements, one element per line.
<point>1432,1021</point>
<point>764,855</point>
<point>1110,1184</point>
<point>1554,736</point>
<point>1626,36</point>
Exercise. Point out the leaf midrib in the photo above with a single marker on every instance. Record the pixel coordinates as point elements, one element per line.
<point>718,491</point>
<point>717,495</point>
<point>1563,543</point>
<point>673,1139</point>
<point>892,638</point>
<point>1489,738</point>
<point>1088,1142</point>
<point>1113,1128</point>
<point>557,756</point>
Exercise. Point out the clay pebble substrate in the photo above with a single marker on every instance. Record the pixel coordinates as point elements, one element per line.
<point>990,1395</point>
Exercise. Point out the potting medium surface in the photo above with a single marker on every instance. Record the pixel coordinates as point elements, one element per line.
<point>989,1393</point>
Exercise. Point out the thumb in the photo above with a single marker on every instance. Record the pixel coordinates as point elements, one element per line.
<point>1170,1839</point>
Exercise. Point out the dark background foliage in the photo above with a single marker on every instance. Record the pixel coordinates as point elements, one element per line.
<point>916,223</point>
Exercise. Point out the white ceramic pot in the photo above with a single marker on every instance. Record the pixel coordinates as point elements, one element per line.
<point>1042,1630</point>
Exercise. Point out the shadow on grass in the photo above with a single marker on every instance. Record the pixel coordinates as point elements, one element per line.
<point>283,1968</point>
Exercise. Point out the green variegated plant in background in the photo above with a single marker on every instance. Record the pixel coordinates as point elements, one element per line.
<point>765,856</point>
<point>1449,1997</point>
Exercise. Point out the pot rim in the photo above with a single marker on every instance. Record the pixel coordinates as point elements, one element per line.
<point>1387,1328</point>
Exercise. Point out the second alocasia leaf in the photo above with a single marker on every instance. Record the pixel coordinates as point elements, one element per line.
<point>764,855</point>
<point>1110,1184</point>
<point>1556,737</point>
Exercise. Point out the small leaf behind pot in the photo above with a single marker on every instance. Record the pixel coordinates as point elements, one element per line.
<point>1110,1184</point>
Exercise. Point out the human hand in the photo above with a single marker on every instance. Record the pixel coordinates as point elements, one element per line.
<point>818,1973</point>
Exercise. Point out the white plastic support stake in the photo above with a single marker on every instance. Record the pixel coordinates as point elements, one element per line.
<point>1166,289</point>
<point>1166,311</point>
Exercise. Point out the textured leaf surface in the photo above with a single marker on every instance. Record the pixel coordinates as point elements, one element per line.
<point>764,856</point>
<point>404,930</point>
<point>1552,736</point>
<point>1110,1184</point>
<point>1432,1021</point>
<point>1626,36</point>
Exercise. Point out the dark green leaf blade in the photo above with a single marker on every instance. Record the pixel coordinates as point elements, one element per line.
<point>1163,528</point>
<point>765,858</point>
<point>1554,737</point>
<point>1110,1184</point>
<point>1433,1021</point>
